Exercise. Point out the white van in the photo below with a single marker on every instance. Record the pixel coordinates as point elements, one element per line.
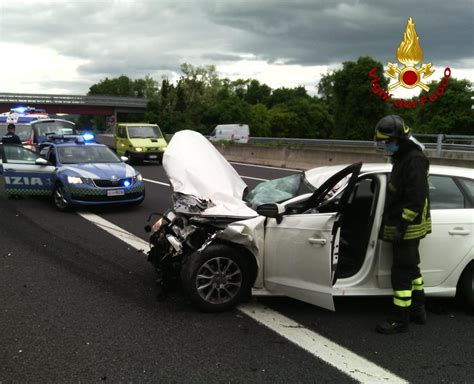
<point>233,132</point>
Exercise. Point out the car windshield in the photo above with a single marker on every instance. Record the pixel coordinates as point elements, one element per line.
<point>86,154</point>
<point>58,127</point>
<point>144,132</point>
<point>23,131</point>
<point>279,190</point>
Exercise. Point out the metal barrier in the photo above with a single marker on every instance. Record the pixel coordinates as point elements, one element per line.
<point>441,142</point>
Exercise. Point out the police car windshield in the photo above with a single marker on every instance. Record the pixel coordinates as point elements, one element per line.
<point>144,133</point>
<point>23,131</point>
<point>58,127</point>
<point>86,154</point>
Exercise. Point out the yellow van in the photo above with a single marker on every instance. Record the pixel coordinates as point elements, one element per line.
<point>139,141</point>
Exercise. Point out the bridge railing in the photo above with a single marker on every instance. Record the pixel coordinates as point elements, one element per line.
<point>97,100</point>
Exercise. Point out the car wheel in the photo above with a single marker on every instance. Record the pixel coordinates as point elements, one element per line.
<point>466,287</point>
<point>59,198</point>
<point>216,279</point>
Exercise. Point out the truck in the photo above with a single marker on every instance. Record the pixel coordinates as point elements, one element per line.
<point>137,141</point>
<point>238,133</point>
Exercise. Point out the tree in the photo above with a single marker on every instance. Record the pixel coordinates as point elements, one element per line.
<point>355,108</point>
<point>451,112</point>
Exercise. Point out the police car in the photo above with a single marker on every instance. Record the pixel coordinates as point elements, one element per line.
<point>33,125</point>
<point>72,170</point>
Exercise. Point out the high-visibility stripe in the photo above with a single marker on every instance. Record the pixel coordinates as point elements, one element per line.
<point>419,287</point>
<point>417,281</point>
<point>401,303</point>
<point>409,215</point>
<point>406,293</point>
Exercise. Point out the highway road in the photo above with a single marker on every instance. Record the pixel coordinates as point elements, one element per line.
<point>77,304</point>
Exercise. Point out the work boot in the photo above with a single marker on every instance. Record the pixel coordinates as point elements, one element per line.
<point>418,314</point>
<point>418,311</point>
<point>397,323</point>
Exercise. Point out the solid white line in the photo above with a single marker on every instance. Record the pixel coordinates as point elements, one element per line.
<point>346,361</point>
<point>265,166</point>
<point>167,185</point>
<point>339,357</point>
<point>253,178</point>
<point>120,233</point>
<point>156,182</point>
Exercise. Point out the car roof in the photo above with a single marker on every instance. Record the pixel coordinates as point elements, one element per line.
<point>386,168</point>
<point>49,120</point>
<point>73,144</point>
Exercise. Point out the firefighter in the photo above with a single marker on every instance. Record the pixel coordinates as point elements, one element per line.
<point>11,137</point>
<point>406,220</point>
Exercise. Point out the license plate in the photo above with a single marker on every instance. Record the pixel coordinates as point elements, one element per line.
<point>152,156</point>
<point>116,192</point>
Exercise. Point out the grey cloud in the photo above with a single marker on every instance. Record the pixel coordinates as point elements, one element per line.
<point>140,37</point>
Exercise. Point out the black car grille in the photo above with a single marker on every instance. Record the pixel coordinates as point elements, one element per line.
<point>128,196</point>
<point>104,183</point>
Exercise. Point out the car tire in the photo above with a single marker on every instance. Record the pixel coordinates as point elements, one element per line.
<point>466,288</point>
<point>59,198</point>
<point>216,279</point>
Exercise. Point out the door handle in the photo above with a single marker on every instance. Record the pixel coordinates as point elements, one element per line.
<point>459,231</point>
<point>312,240</point>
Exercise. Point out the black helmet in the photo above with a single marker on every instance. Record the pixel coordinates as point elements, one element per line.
<point>392,126</point>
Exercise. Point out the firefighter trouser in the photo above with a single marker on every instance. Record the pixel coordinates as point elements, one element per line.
<point>407,281</point>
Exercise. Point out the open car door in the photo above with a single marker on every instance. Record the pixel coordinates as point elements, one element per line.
<point>302,249</point>
<point>25,172</point>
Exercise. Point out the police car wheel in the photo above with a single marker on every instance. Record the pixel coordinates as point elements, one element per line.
<point>59,200</point>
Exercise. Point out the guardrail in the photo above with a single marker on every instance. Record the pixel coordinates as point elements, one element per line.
<point>441,142</point>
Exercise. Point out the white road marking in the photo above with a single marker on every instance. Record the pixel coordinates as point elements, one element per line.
<point>120,233</point>
<point>265,166</point>
<point>156,182</point>
<point>333,354</point>
<point>339,357</point>
<point>167,185</point>
<point>253,178</point>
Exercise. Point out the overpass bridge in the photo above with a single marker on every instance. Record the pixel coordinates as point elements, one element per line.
<point>75,104</point>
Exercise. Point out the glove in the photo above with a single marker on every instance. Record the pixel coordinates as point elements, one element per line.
<point>400,232</point>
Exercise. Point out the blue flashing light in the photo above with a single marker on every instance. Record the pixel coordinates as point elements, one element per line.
<point>88,136</point>
<point>126,183</point>
<point>19,109</point>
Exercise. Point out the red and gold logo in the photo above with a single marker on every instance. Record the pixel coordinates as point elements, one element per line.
<point>409,53</point>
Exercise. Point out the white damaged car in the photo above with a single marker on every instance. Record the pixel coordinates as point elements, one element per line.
<point>310,236</point>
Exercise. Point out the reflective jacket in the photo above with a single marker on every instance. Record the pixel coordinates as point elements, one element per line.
<point>407,204</point>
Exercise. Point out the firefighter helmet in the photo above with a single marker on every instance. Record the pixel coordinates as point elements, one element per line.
<point>392,126</point>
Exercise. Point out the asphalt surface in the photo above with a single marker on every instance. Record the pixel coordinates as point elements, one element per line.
<point>78,305</point>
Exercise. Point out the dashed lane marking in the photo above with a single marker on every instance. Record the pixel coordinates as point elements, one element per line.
<point>330,352</point>
<point>266,166</point>
<point>322,348</point>
<point>167,184</point>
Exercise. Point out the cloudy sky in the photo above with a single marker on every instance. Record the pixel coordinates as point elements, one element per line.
<point>65,46</point>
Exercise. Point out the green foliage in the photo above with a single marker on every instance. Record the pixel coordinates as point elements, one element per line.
<point>451,113</point>
<point>346,108</point>
<point>348,93</point>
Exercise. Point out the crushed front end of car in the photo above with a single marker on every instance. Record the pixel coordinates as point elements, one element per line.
<point>209,240</point>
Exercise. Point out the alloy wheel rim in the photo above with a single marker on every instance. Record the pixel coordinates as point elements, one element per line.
<point>218,280</point>
<point>59,198</point>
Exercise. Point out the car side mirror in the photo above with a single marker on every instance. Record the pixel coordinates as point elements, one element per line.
<point>273,210</point>
<point>124,158</point>
<point>41,161</point>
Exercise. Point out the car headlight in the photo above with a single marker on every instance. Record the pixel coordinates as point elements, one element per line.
<point>74,180</point>
<point>138,177</point>
<point>138,149</point>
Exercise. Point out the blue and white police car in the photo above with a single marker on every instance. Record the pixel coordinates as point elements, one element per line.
<point>74,171</point>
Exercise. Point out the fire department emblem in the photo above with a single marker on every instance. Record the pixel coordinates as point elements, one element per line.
<point>409,53</point>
